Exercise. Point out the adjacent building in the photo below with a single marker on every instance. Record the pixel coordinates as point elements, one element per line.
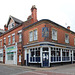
<point>41,43</point>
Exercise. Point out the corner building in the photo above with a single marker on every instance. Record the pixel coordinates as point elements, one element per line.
<point>41,43</point>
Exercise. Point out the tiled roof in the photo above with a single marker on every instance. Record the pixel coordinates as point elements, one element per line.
<point>17,20</point>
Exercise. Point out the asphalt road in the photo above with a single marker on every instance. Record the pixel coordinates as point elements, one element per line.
<point>23,70</point>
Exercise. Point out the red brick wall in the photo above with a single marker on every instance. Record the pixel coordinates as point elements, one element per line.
<point>60,34</point>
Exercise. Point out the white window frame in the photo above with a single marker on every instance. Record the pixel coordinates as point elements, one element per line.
<point>20,37</point>
<point>10,26</point>
<point>66,39</point>
<point>54,37</point>
<point>1,42</point>
<point>5,40</point>
<point>31,36</point>
<point>9,40</point>
<point>13,39</point>
<point>35,34</point>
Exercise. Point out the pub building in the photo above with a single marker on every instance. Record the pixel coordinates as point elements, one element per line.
<point>42,43</point>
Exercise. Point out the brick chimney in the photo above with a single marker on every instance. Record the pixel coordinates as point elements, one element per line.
<point>5,27</point>
<point>68,27</point>
<point>34,13</point>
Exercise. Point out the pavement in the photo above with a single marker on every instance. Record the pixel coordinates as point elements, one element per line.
<point>28,70</point>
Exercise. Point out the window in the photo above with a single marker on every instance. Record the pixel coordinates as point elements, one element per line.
<point>54,34</point>
<point>74,41</point>
<point>35,34</point>
<point>20,37</point>
<point>13,39</point>
<point>9,40</point>
<point>31,36</point>
<point>4,41</point>
<point>65,55</point>
<point>10,56</point>
<point>66,38</point>
<point>11,25</point>
<point>55,54</point>
<point>1,43</point>
<point>1,56</point>
<point>35,55</point>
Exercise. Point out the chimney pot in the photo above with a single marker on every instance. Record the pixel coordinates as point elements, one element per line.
<point>68,27</point>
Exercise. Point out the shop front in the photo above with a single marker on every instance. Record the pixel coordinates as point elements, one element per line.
<point>11,55</point>
<point>1,55</point>
<point>45,54</point>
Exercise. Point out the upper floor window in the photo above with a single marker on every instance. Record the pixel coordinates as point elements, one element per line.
<point>1,42</point>
<point>33,35</point>
<point>66,38</point>
<point>74,41</point>
<point>20,37</point>
<point>11,25</point>
<point>13,39</point>
<point>4,40</point>
<point>9,40</point>
<point>54,34</point>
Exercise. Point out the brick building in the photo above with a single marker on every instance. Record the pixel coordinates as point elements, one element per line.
<point>41,43</point>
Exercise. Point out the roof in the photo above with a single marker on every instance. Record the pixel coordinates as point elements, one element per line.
<point>2,31</point>
<point>18,21</point>
<point>50,22</point>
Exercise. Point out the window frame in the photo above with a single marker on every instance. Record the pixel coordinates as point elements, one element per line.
<point>33,36</point>
<point>13,39</point>
<point>53,35</point>
<point>67,39</point>
<point>9,40</point>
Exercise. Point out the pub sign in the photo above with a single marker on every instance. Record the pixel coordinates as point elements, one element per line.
<point>45,32</point>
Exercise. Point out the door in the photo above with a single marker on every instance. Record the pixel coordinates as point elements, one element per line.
<point>14,57</point>
<point>27,61</point>
<point>45,57</point>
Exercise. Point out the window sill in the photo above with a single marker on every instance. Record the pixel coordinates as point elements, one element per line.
<point>13,43</point>
<point>33,41</point>
<point>54,40</point>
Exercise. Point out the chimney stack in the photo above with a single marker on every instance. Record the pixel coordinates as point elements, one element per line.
<point>68,27</point>
<point>5,27</point>
<point>34,13</point>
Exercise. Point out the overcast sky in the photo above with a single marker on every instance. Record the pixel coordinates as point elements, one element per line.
<point>59,11</point>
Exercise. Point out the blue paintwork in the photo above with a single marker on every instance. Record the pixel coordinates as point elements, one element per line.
<point>45,60</point>
<point>27,59</point>
<point>45,32</point>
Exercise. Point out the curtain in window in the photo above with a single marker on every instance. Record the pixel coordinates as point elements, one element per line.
<point>31,36</point>
<point>35,34</point>
<point>54,34</point>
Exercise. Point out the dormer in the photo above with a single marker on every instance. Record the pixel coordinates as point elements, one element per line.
<point>12,22</point>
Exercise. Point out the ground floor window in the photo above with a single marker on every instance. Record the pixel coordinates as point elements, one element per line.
<point>65,55</point>
<point>10,55</point>
<point>1,56</point>
<point>35,54</point>
<point>55,54</point>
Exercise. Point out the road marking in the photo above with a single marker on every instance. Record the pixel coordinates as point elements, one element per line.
<point>39,73</point>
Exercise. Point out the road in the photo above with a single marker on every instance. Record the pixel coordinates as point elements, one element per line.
<point>24,70</point>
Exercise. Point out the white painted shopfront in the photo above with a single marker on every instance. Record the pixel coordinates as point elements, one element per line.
<point>11,55</point>
<point>46,53</point>
<point>1,55</point>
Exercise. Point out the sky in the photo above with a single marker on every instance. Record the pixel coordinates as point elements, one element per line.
<point>60,11</point>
